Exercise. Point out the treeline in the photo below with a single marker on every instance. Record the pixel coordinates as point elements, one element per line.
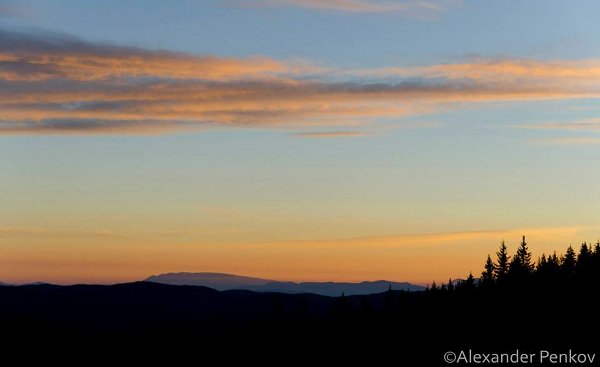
<point>519,270</point>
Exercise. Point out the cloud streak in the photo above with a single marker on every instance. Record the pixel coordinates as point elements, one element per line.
<point>569,140</point>
<point>413,9</point>
<point>331,134</point>
<point>56,84</point>
<point>588,125</point>
<point>584,126</point>
<point>29,57</point>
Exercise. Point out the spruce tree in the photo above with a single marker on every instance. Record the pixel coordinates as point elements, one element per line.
<point>487,276</point>
<point>584,260</point>
<point>542,262</point>
<point>521,264</point>
<point>596,259</point>
<point>502,258</point>
<point>568,262</point>
<point>542,265</point>
<point>469,283</point>
<point>553,265</point>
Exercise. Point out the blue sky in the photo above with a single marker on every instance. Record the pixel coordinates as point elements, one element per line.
<point>561,29</point>
<point>476,116</point>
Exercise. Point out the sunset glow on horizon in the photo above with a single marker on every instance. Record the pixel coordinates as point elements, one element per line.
<point>304,140</point>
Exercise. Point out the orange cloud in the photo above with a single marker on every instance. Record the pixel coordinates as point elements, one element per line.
<point>570,76</point>
<point>30,58</point>
<point>498,70</point>
<point>61,85</point>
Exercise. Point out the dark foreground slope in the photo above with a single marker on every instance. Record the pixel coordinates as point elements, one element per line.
<point>146,321</point>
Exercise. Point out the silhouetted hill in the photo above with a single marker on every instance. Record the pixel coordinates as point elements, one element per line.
<point>335,288</point>
<point>125,307</point>
<point>227,281</point>
<point>145,320</point>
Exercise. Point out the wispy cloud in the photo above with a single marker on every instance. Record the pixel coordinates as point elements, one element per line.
<point>30,57</point>
<point>426,9</point>
<point>32,232</point>
<point>591,125</point>
<point>569,140</point>
<point>584,126</point>
<point>12,231</point>
<point>56,84</point>
<point>331,134</point>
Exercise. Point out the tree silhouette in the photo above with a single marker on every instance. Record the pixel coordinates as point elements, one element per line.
<point>487,276</point>
<point>554,262</point>
<point>548,268</point>
<point>542,264</point>
<point>450,285</point>
<point>571,270</point>
<point>584,261</point>
<point>469,283</point>
<point>568,262</point>
<point>502,259</point>
<point>433,287</point>
<point>521,264</point>
<point>596,260</point>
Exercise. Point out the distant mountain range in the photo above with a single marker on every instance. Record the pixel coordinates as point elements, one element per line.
<point>222,282</point>
<point>218,281</point>
<point>32,283</point>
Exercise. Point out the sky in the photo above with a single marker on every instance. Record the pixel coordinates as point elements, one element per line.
<point>301,140</point>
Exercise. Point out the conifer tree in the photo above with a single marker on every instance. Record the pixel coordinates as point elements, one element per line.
<point>542,265</point>
<point>469,282</point>
<point>450,284</point>
<point>568,262</point>
<point>521,264</point>
<point>584,259</point>
<point>487,276</point>
<point>542,262</point>
<point>596,258</point>
<point>502,261</point>
<point>553,266</point>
